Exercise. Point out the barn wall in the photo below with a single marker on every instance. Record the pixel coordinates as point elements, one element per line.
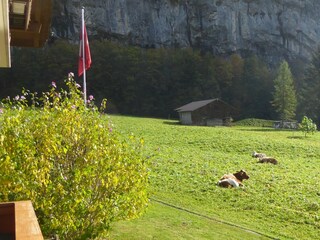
<point>216,113</point>
<point>212,114</point>
<point>215,122</point>
<point>185,118</point>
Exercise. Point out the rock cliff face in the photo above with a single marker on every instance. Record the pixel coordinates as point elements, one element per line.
<point>272,28</point>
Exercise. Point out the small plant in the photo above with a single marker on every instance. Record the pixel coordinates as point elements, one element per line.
<point>307,126</point>
<point>79,172</point>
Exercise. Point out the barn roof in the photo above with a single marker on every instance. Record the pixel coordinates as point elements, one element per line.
<point>195,105</point>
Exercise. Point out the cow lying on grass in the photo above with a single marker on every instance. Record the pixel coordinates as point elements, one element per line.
<point>268,160</point>
<point>258,155</point>
<point>263,158</point>
<point>233,180</point>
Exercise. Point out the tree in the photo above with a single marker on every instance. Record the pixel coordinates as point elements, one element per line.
<point>284,96</point>
<point>251,87</point>
<point>307,126</point>
<point>309,91</point>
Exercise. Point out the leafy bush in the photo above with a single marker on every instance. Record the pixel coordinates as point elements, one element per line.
<point>67,159</point>
<point>307,126</point>
<point>254,122</point>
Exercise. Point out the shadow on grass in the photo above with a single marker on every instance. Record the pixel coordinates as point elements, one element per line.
<point>265,130</point>
<point>274,130</point>
<point>172,123</point>
<point>296,137</point>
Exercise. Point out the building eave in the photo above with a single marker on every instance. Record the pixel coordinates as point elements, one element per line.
<point>5,60</point>
<point>38,28</point>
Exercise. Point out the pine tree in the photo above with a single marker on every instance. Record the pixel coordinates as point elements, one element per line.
<point>284,96</point>
<point>309,91</point>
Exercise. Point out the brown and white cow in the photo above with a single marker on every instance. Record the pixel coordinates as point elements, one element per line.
<point>233,180</point>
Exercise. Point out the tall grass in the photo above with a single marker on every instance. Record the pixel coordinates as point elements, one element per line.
<point>279,200</point>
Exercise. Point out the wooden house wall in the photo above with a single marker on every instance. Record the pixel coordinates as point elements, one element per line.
<point>214,110</point>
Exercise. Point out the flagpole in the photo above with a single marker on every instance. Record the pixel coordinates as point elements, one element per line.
<point>84,61</point>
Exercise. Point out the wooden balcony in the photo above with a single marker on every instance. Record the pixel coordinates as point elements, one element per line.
<point>18,221</point>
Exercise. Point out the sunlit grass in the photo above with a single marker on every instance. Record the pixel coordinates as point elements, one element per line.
<point>186,162</point>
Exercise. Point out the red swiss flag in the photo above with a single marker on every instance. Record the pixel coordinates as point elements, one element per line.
<point>87,54</point>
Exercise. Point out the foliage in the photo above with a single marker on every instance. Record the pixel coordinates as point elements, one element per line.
<point>255,89</point>
<point>254,122</point>
<point>147,82</point>
<point>309,91</point>
<point>284,97</point>
<point>189,160</point>
<point>68,160</point>
<point>307,126</point>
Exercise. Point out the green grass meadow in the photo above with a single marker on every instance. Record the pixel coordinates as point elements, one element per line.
<point>278,201</point>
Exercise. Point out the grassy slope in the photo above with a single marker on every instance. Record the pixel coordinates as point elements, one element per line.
<point>162,222</point>
<point>186,162</point>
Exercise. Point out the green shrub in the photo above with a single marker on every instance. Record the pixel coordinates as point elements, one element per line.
<point>307,126</point>
<point>79,173</point>
<point>254,122</point>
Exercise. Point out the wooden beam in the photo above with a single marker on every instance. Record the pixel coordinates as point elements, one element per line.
<point>5,59</point>
<point>46,15</point>
<point>39,26</point>
<point>28,14</point>
<point>18,221</point>
<point>26,222</point>
<point>24,38</point>
<point>37,10</point>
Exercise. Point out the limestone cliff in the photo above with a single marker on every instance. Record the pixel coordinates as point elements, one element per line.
<point>273,28</point>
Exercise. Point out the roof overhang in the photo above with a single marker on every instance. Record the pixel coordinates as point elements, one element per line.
<point>30,22</point>
<point>190,107</point>
<point>5,60</point>
<point>23,23</point>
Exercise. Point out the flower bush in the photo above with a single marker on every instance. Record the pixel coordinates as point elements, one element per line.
<point>64,156</point>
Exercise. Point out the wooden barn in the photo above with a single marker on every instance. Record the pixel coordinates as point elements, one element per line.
<point>212,112</point>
